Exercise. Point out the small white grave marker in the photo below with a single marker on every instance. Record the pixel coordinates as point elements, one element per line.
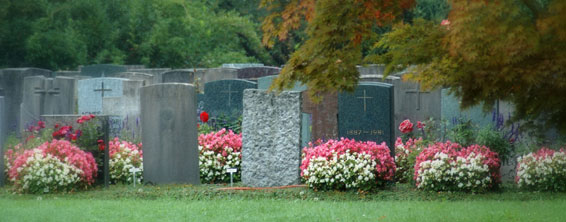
<point>232,171</point>
<point>134,171</point>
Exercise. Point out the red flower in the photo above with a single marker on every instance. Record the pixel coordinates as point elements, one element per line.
<point>91,116</point>
<point>420,125</point>
<point>204,117</point>
<point>101,145</point>
<point>406,126</point>
<point>56,125</point>
<point>41,124</point>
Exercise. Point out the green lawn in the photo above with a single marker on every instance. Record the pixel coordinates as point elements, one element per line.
<point>205,203</point>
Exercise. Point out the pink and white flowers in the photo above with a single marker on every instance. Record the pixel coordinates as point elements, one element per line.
<point>125,156</point>
<point>53,166</point>
<point>219,151</point>
<point>402,161</point>
<point>347,164</point>
<point>544,170</point>
<point>451,167</point>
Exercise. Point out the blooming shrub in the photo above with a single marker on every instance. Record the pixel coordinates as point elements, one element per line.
<point>544,170</point>
<point>52,167</point>
<point>405,155</point>
<point>123,157</point>
<point>219,151</point>
<point>451,167</point>
<point>347,164</point>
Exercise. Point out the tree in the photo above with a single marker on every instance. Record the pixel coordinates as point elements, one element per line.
<point>327,60</point>
<point>512,50</point>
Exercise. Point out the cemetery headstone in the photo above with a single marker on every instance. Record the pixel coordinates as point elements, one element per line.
<point>102,70</point>
<point>91,92</point>
<point>169,137</point>
<point>271,133</point>
<point>218,74</point>
<point>66,73</point>
<point>253,73</point>
<point>11,87</point>
<point>125,110</point>
<point>153,71</point>
<point>147,79</point>
<point>367,114</point>
<point>46,96</point>
<point>224,97</point>
<point>451,111</point>
<point>324,115</point>
<point>178,75</point>
<point>134,67</point>
<point>412,103</point>
<point>265,82</point>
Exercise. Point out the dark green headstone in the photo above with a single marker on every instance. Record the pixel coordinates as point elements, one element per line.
<point>367,114</point>
<point>108,70</point>
<point>224,97</point>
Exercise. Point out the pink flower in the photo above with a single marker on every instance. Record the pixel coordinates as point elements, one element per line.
<point>41,124</point>
<point>420,125</point>
<point>445,22</point>
<point>406,126</point>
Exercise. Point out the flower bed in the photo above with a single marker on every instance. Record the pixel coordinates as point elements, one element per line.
<point>451,167</point>
<point>405,154</point>
<point>347,164</point>
<point>544,170</point>
<point>53,166</point>
<point>219,151</point>
<point>125,156</point>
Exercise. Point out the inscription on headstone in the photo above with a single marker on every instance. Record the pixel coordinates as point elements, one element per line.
<point>367,113</point>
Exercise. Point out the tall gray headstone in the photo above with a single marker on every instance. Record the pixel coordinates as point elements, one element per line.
<point>46,96</point>
<point>224,97</point>
<point>11,87</point>
<point>178,75</point>
<point>265,82</point>
<point>271,134</point>
<point>102,70</point>
<point>367,114</point>
<point>169,136</point>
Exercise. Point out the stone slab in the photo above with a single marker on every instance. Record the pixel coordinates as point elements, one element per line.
<point>102,70</point>
<point>367,114</point>
<point>90,101</point>
<point>240,65</point>
<point>169,137</point>
<point>324,116</point>
<point>253,73</point>
<point>147,79</point>
<point>271,135</point>
<point>224,97</point>
<point>178,75</point>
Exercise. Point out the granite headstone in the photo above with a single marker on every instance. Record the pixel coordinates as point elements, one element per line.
<point>102,70</point>
<point>253,73</point>
<point>324,121</point>
<point>178,75</point>
<point>169,137</point>
<point>367,114</point>
<point>147,79</point>
<point>46,96</point>
<point>271,133</point>
<point>125,110</point>
<point>224,97</point>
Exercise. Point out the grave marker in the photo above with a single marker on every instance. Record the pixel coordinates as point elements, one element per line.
<point>102,70</point>
<point>224,97</point>
<point>271,138</point>
<point>169,136</point>
<point>367,114</point>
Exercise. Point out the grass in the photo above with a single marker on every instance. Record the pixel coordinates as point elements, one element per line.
<point>206,203</point>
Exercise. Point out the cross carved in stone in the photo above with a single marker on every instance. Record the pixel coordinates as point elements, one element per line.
<point>102,90</point>
<point>229,93</point>
<point>46,91</point>
<point>365,97</point>
<point>418,92</point>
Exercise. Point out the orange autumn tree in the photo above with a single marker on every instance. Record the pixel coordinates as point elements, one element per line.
<point>327,61</point>
<point>489,50</point>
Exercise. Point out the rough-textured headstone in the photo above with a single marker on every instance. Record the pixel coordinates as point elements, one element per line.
<point>125,110</point>
<point>218,74</point>
<point>241,65</point>
<point>271,132</point>
<point>367,113</point>
<point>324,115</point>
<point>169,136</point>
<point>46,96</point>
<point>178,75</point>
<point>90,93</point>
<point>224,97</point>
<point>147,79</point>
<point>253,73</point>
<point>2,135</point>
<point>11,87</point>
<point>265,83</point>
<point>102,70</point>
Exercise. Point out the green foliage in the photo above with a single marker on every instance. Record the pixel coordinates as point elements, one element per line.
<point>496,142</point>
<point>463,133</point>
<point>204,128</point>
<point>90,133</point>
